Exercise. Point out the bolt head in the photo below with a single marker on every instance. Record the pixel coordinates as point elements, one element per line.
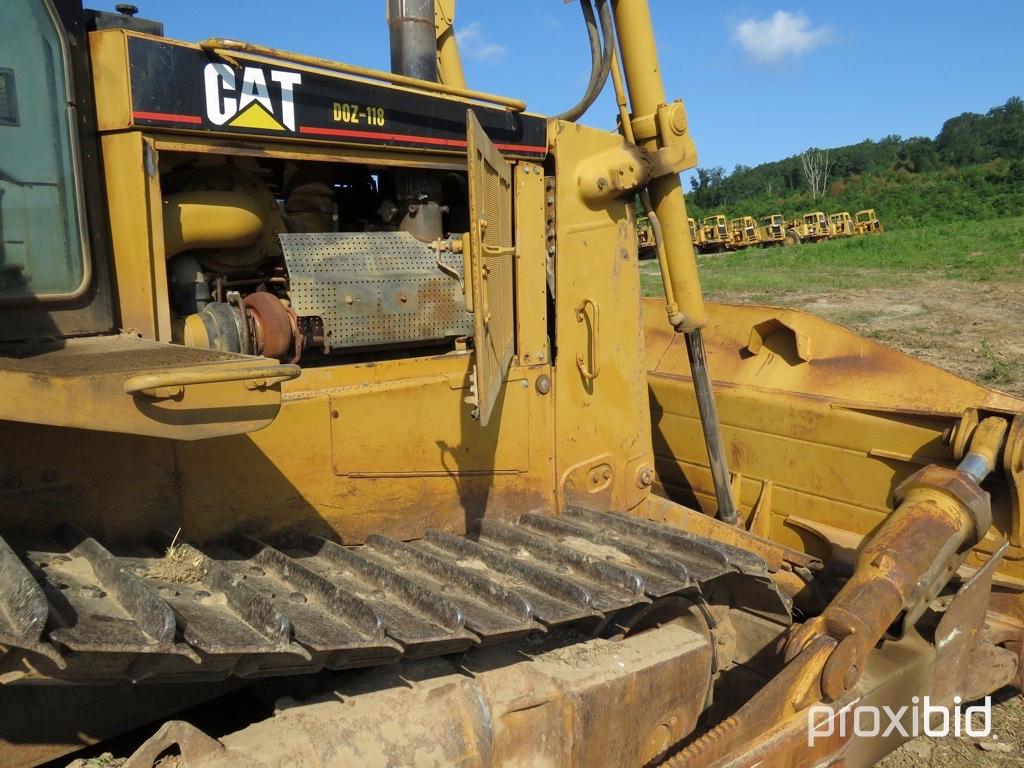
<point>851,677</point>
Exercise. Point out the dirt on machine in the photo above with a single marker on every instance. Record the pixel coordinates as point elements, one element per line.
<point>335,430</point>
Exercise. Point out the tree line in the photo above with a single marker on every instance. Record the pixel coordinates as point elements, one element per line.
<point>974,168</point>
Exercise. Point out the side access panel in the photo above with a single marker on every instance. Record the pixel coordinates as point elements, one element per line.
<point>491,255</point>
<point>121,383</point>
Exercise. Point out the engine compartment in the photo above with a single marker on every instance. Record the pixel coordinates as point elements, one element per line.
<point>306,261</point>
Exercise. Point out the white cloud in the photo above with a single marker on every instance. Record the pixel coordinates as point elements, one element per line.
<point>783,34</point>
<point>473,45</point>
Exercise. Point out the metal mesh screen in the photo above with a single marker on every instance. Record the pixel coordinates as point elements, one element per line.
<point>372,288</point>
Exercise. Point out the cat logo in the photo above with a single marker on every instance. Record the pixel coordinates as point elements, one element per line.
<point>250,105</point>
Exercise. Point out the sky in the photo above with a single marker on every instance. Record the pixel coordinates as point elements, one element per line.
<point>761,80</point>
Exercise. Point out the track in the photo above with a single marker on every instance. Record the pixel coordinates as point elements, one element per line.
<point>71,610</point>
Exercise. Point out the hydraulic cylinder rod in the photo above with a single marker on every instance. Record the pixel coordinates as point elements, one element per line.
<point>646,93</point>
<point>709,423</point>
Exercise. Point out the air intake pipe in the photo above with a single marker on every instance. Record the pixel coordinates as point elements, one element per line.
<point>414,54</point>
<point>413,38</point>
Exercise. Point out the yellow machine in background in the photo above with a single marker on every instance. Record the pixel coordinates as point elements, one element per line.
<point>773,229</point>
<point>810,228</point>
<point>716,234</point>
<point>341,381</point>
<point>743,232</point>
<point>867,223</point>
<point>645,237</point>
<point>841,225</point>
<point>696,234</point>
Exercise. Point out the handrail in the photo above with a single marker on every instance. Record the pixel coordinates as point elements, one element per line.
<point>266,374</point>
<point>225,48</point>
<point>588,373</point>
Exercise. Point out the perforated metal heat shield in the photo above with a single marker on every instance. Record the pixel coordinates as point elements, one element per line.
<point>373,288</point>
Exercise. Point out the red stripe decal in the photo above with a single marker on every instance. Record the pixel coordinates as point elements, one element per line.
<point>354,134</point>
<point>349,133</point>
<point>167,117</point>
<point>521,148</point>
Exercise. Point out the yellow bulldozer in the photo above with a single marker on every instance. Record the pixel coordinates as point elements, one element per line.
<point>335,432</point>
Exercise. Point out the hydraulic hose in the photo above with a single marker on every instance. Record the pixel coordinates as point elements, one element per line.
<point>601,50</point>
<point>594,36</point>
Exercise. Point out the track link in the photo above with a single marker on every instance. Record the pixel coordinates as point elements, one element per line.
<point>72,610</point>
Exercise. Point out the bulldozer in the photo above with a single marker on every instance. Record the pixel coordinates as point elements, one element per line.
<point>336,432</point>
<point>867,223</point>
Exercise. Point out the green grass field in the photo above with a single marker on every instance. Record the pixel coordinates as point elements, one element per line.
<point>971,251</point>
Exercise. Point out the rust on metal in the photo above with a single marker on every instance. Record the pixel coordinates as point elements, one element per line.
<point>272,326</point>
<point>560,699</point>
<point>901,568</point>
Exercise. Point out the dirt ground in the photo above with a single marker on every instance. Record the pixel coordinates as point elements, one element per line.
<point>975,331</point>
<point>1004,747</point>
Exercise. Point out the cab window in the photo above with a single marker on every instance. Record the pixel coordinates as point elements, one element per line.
<point>41,249</point>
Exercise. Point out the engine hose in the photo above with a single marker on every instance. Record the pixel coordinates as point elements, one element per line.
<point>601,62</point>
<point>595,59</point>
